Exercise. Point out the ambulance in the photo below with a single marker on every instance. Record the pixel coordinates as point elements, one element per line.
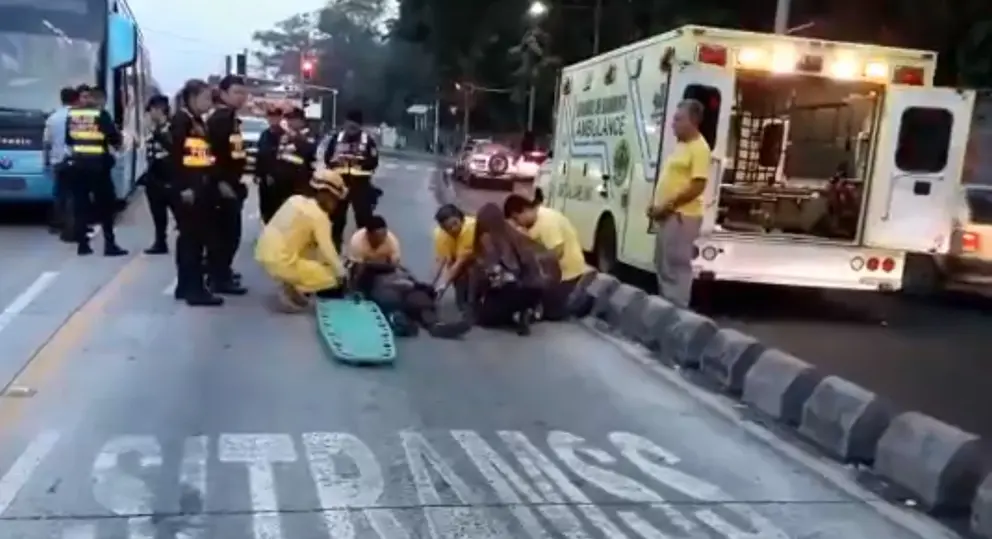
<point>834,165</point>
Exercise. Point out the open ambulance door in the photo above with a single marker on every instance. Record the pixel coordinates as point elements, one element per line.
<point>917,170</point>
<point>713,86</point>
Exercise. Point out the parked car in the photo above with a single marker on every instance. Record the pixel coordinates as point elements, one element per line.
<point>483,163</point>
<point>969,261</point>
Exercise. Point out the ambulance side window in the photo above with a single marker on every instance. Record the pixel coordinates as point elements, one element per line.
<point>710,98</point>
<point>924,140</point>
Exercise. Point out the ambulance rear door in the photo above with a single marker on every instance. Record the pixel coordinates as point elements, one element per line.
<point>918,166</point>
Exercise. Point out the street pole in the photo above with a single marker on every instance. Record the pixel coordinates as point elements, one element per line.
<point>437,120</point>
<point>597,15</point>
<point>782,16</point>
<point>530,107</point>
<point>465,118</point>
<point>334,110</point>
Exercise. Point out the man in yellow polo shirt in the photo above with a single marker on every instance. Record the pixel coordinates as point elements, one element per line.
<point>554,232</point>
<point>677,207</point>
<point>454,242</point>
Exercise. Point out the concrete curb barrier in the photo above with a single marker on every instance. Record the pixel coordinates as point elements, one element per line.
<point>981,510</point>
<point>623,309</point>
<point>687,337</point>
<point>845,420</point>
<point>728,356</point>
<point>939,464</point>
<point>779,384</point>
<point>656,317</point>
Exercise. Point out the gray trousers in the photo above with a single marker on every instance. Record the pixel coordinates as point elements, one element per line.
<point>675,239</point>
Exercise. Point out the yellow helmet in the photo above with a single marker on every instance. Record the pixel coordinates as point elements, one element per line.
<point>328,180</point>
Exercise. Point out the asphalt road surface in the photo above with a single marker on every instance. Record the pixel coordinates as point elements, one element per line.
<point>127,415</point>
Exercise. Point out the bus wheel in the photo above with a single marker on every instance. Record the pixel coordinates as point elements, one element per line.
<point>605,247</point>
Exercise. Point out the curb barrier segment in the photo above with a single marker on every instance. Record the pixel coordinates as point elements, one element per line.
<point>845,420</point>
<point>600,289</point>
<point>656,316</point>
<point>728,356</point>
<point>623,309</point>
<point>981,510</point>
<point>579,302</point>
<point>687,337</point>
<point>939,464</point>
<point>779,384</point>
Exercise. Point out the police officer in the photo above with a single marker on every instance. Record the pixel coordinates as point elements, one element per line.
<point>90,134</point>
<point>295,156</point>
<point>194,195</point>
<point>156,179</point>
<point>269,198</point>
<point>352,153</point>
<point>227,145</point>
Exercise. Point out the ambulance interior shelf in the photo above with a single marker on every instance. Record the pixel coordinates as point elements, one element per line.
<point>797,156</point>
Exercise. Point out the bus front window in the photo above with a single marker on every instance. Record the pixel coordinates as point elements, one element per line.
<point>46,45</point>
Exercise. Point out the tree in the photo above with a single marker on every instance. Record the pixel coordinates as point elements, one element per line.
<point>281,45</point>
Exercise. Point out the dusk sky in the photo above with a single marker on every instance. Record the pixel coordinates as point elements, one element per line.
<point>189,38</point>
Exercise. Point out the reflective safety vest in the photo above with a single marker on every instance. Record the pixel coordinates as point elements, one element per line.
<point>349,155</point>
<point>237,145</point>
<point>288,151</point>
<point>155,149</point>
<point>83,136</point>
<point>196,153</point>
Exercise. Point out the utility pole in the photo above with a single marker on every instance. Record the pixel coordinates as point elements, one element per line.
<point>597,16</point>
<point>782,16</point>
<point>437,119</point>
<point>530,107</point>
<point>465,118</point>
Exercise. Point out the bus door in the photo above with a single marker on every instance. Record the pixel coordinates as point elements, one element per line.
<point>713,87</point>
<point>917,171</point>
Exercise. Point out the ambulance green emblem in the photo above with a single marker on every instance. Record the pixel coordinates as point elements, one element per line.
<point>621,163</point>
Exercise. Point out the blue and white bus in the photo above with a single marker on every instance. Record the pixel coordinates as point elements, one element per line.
<point>46,45</point>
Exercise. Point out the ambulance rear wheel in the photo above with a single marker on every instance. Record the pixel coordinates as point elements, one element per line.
<point>922,277</point>
<point>605,247</point>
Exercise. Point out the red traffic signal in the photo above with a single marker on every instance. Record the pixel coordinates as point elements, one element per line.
<point>307,68</point>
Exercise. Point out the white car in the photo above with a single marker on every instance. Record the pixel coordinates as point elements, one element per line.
<point>251,129</point>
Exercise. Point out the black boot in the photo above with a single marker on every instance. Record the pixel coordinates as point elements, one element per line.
<point>450,330</point>
<point>202,298</point>
<point>227,287</point>
<point>160,247</point>
<point>83,248</point>
<point>112,249</point>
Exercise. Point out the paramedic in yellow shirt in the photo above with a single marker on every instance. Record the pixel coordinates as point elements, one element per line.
<point>296,249</point>
<point>454,242</point>
<point>555,232</point>
<point>677,207</point>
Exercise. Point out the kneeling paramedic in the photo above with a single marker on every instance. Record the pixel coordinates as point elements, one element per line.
<point>377,274</point>
<point>227,145</point>
<point>295,247</point>
<point>90,135</point>
<point>295,156</point>
<point>352,153</point>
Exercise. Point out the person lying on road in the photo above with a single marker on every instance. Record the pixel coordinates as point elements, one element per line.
<point>378,275</point>
<point>301,226</point>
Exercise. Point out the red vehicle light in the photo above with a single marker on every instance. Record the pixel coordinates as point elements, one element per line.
<point>912,76</point>
<point>970,242</point>
<point>872,264</point>
<point>888,265</point>
<point>712,54</point>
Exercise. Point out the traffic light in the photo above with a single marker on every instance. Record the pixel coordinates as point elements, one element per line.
<point>242,64</point>
<point>307,68</point>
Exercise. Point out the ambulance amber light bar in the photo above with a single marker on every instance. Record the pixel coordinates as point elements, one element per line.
<point>712,54</point>
<point>911,76</point>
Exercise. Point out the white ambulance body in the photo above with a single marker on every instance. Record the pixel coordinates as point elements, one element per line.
<point>835,165</point>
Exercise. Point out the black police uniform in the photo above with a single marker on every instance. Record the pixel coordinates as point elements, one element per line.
<point>354,156</point>
<point>192,161</point>
<point>269,196</point>
<point>227,145</point>
<point>90,134</point>
<point>157,185</point>
<point>293,167</point>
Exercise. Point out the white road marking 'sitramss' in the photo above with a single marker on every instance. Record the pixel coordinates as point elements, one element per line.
<point>540,469</point>
<point>26,297</point>
<point>509,486</point>
<point>567,448</point>
<point>446,522</point>
<point>17,476</point>
<point>338,493</point>
<point>193,486</point>
<point>258,452</point>
<point>123,493</point>
<point>639,451</point>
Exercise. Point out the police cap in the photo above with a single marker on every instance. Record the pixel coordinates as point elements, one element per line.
<point>295,113</point>
<point>157,102</point>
